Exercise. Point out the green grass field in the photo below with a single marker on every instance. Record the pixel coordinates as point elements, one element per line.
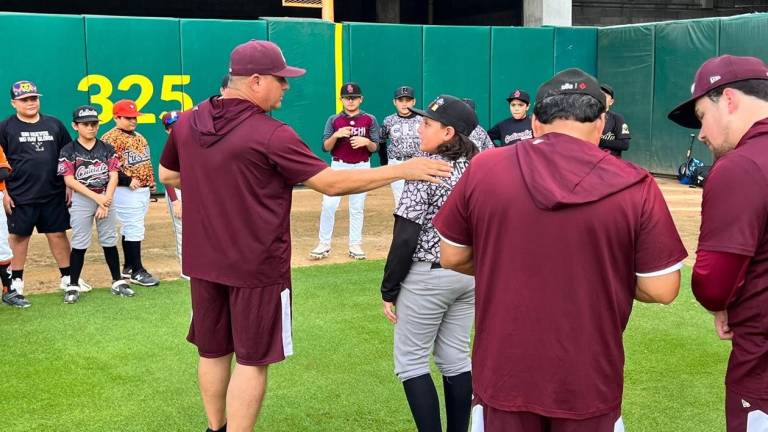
<point>115,364</point>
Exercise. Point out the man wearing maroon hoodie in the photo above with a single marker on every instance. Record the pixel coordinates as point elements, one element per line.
<point>553,296</point>
<point>729,103</point>
<point>238,166</point>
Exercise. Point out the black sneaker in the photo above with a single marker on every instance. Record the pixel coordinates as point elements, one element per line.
<point>122,289</point>
<point>142,277</point>
<point>72,295</point>
<point>126,273</point>
<point>13,298</point>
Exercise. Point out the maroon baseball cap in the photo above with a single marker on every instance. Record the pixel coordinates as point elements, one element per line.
<point>716,72</point>
<point>260,57</point>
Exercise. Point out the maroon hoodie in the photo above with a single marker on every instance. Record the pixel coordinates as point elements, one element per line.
<point>559,229</point>
<point>238,167</point>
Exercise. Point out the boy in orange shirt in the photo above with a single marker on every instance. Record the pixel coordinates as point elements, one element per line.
<point>11,297</point>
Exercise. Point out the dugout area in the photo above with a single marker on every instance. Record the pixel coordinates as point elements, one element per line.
<point>175,63</point>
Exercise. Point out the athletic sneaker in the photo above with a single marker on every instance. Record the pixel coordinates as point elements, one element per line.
<point>356,252</point>
<point>72,295</point>
<point>126,274</point>
<point>144,278</point>
<point>82,286</point>
<point>13,298</point>
<point>18,286</point>
<point>121,288</point>
<point>322,250</point>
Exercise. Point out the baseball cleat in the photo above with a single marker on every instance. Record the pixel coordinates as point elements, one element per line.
<point>356,252</point>
<point>322,250</point>
<point>72,295</point>
<point>122,289</point>
<point>13,298</point>
<point>144,278</point>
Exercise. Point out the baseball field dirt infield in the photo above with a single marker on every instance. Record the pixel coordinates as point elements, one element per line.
<point>159,250</point>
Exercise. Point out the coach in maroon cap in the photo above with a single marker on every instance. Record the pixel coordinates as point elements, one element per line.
<point>730,278</point>
<point>238,166</point>
<point>554,296</point>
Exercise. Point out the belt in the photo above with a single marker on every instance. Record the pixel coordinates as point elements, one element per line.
<point>436,266</point>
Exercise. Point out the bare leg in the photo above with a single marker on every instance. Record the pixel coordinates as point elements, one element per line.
<point>19,246</point>
<point>59,245</point>
<point>244,397</point>
<point>213,376</point>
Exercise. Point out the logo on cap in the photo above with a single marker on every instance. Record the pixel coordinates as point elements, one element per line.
<point>350,88</point>
<point>87,112</point>
<point>567,86</point>
<point>714,78</point>
<point>582,86</point>
<point>437,104</point>
<point>517,93</point>
<point>26,87</point>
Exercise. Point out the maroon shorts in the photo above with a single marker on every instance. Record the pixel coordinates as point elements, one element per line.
<point>254,323</point>
<point>495,420</point>
<point>745,414</point>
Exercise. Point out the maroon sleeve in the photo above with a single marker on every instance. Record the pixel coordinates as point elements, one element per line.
<point>658,245</point>
<point>171,193</point>
<point>170,157</point>
<point>292,157</point>
<point>452,220</point>
<point>734,207</point>
<point>716,278</point>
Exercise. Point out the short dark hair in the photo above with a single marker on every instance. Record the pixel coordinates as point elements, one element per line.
<point>754,87</point>
<point>579,107</point>
<point>225,81</point>
<point>457,147</point>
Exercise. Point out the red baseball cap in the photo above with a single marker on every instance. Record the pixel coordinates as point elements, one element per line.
<point>716,72</point>
<point>125,108</point>
<point>260,57</point>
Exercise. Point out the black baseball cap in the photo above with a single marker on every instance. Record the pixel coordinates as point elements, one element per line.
<point>85,114</point>
<point>716,72</point>
<point>571,81</point>
<point>519,95</point>
<point>451,111</point>
<point>350,89</point>
<point>606,88</point>
<point>404,91</point>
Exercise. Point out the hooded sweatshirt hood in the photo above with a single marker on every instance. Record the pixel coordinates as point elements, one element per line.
<point>216,117</point>
<point>560,170</point>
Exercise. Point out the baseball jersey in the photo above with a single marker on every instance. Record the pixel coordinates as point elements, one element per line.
<point>734,219</point>
<point>403,135</point>
<point>511,131</point>
<point>615,137</point>
<point>554,292</point>
<point>89,167</point>
<point>363,124</point>
<point>33,151</point>
<point>237,222</point>
<point>133,152</point>
<point>481,139</point>
<point>420,202</point>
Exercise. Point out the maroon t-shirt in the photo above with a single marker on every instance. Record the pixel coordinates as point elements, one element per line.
<point>734,213</point>
<point>238,166</point>
<point>559,230</point>
<point>362,124</point>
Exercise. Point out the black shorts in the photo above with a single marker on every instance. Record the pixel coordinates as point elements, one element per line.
<point>48,217</point>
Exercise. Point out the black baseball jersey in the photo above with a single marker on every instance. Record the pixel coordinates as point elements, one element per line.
<point>511,130</point>
<point>89,167</point>
<point>615,138</point>
<point>33,152</point>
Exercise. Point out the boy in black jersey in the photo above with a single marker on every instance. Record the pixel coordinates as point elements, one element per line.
<point>518,126</point>
<point>89,167</point>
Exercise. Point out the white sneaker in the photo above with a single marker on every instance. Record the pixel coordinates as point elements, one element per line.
<point>18,286</point>
<point>322,250</point>
<point>82,285</point>
<point>356,252</point>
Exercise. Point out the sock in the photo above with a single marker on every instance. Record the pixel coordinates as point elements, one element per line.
<point>4,276</point>
<point>64,271</point>
<point>425,407</point>
<point>137,258</point>
<point>17,274</point>
<point>458,401</point>
<point>222,429</point>
<point>76,261</point>
<point>126,253</point>
<point>132,250</point>
<point>113,262</point>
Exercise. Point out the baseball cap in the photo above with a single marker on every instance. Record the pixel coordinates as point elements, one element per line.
<point>125,108</point>
<point>169,118</point>
<point>571,81</point>
<point>519,95</point>
<point>85,114</point>
<point>606,88</point>
<point>716,72</point>
<point>451,111</point>
<point>404,91</point>
<point>350,89</point>
<point>260,57</point>
<point>23,89</point>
